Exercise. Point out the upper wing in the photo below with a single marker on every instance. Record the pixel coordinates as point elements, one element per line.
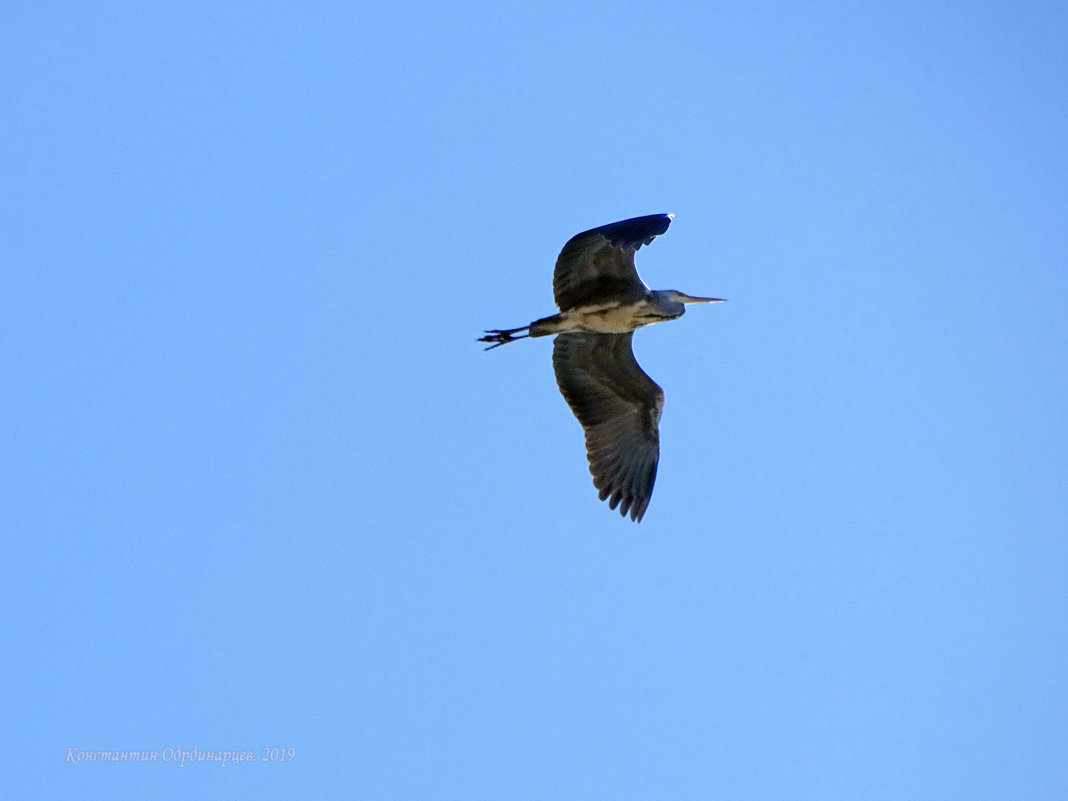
<point>619,407</point>
<point>600,263</point>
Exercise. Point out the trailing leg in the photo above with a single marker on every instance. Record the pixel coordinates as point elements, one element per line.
<point>502,336</point>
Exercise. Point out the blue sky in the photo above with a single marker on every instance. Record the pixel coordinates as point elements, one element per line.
<point>262,488</point>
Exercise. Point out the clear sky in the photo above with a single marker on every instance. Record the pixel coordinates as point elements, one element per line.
<point>261,488</point>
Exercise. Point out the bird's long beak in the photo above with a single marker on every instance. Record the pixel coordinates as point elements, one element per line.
<point>692,299</point>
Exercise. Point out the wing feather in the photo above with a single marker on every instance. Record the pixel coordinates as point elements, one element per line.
<point>619,407</point>
<point>599,264</point>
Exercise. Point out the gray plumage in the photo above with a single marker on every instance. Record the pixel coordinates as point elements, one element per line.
<point>602,301</point>
<point>619,407</point>
<point>598,266</point>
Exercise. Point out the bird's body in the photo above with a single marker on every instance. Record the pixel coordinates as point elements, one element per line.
<point>602,301</point>
<point>610,317</point>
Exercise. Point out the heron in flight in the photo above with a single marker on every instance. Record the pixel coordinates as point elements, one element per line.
<point>602,301</point>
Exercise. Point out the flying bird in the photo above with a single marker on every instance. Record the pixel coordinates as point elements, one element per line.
<point>602,301</point>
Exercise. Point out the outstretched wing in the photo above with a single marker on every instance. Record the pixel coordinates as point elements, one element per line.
<point>600,263</point>
<point>619,408</point>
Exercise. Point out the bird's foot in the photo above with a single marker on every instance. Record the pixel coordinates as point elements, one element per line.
<point>501,336</point>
